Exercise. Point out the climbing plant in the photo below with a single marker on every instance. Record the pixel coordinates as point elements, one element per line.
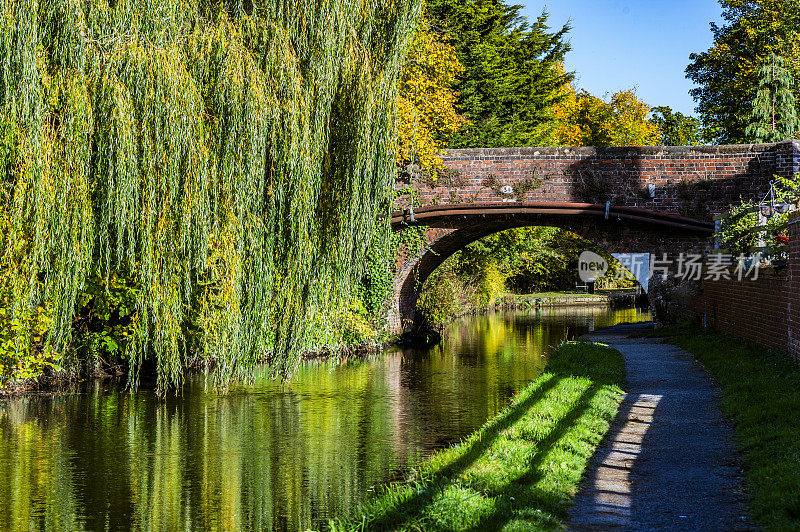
<point>745,231</point>
<point>226,159</point>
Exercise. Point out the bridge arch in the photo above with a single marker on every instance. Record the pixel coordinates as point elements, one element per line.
<point>450,228</point>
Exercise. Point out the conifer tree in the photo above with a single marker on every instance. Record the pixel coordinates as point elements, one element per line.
<point>774,117</point>
<point>512,76</point>
<point>727,74</point>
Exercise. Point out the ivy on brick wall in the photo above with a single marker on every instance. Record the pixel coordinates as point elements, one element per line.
<point>593,186</point>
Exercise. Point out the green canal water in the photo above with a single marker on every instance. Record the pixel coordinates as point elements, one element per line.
<point>267,456</point>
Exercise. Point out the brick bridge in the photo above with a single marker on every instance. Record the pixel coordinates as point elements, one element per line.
<point>645,199</point>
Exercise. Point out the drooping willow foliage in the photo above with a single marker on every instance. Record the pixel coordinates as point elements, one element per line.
<point>229,159</point>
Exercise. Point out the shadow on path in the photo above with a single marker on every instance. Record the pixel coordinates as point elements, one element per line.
<point>669,461</point>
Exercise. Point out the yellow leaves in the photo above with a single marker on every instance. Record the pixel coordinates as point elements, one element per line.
<point>630,124</point>
<point>568,132</point>
<point>586,120</point>
<point>427,103</point>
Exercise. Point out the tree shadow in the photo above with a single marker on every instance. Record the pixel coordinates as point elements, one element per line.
<point>696,183</point>
<point>518,492</point>
<point>428,489</point>
<point>514,494</point>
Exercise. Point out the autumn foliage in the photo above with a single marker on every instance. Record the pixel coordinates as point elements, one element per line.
<point>427,110</point>
<point>585,120</point>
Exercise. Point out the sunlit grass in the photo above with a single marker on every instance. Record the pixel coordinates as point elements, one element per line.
<point>761,394</point>
<point>521,470</point>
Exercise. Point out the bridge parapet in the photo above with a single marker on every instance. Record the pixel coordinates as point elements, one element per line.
<point>696,181</point>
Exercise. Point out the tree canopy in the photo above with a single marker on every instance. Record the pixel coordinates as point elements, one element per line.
<point>676,128</point>
<point>727,74</point>
<point>583,119</point>
<point>511,78</point>
<point>427,112</point>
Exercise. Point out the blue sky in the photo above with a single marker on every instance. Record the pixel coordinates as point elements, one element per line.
<point>619,44</point>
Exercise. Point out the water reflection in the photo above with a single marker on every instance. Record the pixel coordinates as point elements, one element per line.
<point>267,456</point>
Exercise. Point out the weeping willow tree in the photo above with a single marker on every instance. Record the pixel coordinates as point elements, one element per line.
<point>229,159</point>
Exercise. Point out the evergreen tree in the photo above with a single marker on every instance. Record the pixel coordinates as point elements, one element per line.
<point>511,76</point>
<point>774,117</point>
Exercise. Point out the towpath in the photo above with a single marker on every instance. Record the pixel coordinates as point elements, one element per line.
<point>669,461</point>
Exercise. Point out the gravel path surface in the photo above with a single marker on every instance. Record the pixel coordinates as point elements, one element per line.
<point>669,461</point>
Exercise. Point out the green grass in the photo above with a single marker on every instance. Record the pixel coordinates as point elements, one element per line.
<point>761,394</point>
<point>521,470</point>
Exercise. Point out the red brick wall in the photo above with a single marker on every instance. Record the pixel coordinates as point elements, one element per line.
<point>696,181</point>
<point>793,288</point>
<point>765,311</point>
<point>751,310</point>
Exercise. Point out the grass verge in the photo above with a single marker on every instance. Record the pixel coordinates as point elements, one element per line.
<point>521,470</point>
<point>761,394</point>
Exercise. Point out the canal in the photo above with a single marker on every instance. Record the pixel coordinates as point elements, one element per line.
<point>266,456</point>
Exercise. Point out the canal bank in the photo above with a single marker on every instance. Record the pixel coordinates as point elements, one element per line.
<point>521,469</point>
<point>668,462</point>
<point>618,299</point>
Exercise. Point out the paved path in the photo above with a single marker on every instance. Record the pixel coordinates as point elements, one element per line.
<point>669,461</point>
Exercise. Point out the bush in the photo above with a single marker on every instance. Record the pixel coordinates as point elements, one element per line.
<point>24,352</point>
<point>440,300</point>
